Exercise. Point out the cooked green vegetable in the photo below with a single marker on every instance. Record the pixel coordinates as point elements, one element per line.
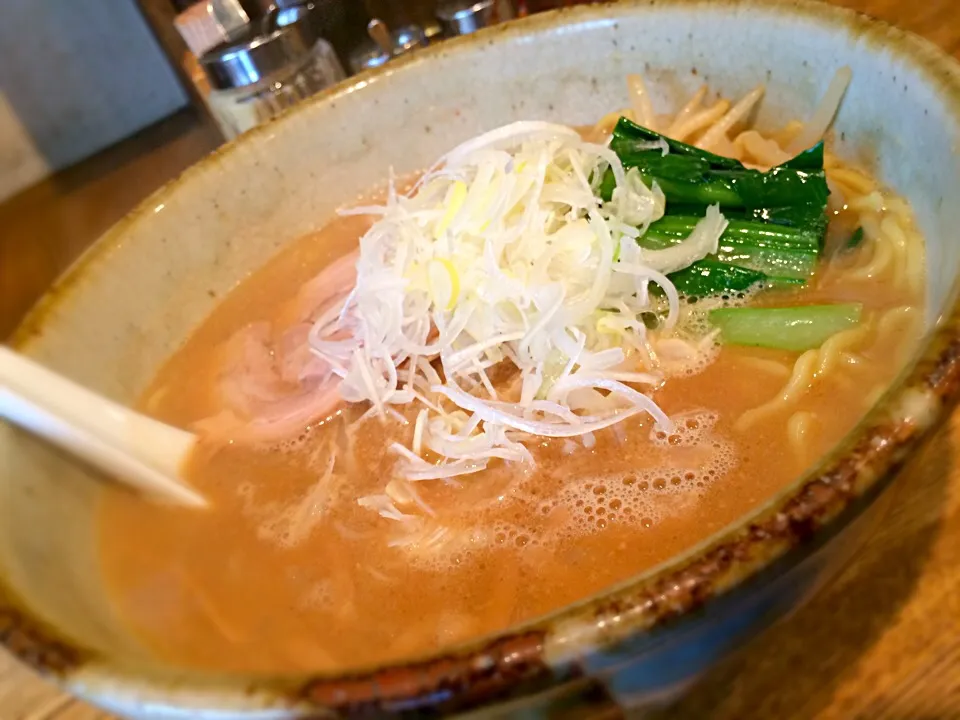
<point>771,249</point>
<point>856,237</point>
<point>794,328</point>
<point>809,159</point>
<point>810,218</point>
<point>689,180</point>
<point>704,277</point>
<point>777,219</point>
<point>633,136</point>
<point>630,136</point>
<point>689,175</point>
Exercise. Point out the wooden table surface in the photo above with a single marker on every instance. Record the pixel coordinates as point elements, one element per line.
<point>881,642</point>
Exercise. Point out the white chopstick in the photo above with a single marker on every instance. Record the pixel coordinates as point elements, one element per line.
<point>133,449</point>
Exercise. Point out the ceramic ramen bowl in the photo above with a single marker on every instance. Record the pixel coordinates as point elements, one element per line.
<point>135,296</point>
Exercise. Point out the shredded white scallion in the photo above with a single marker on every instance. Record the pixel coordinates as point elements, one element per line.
<point>504,260</point>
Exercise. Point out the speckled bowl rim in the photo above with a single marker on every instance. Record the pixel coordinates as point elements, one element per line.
<point>546,651</point>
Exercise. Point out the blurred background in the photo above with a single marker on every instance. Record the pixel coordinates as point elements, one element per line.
<point>102,101</point>
<point>77,76</point>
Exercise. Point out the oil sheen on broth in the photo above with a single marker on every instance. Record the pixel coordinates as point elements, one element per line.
<point>287,572</point>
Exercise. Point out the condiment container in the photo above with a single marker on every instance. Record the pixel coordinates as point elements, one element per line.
<point>269,69</point>
<point>462,17</point>
<point>207,24</point>
<point>385,44</point>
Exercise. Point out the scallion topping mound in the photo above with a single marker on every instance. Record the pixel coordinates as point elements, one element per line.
<point>507,298</point>
<point>521,287</point>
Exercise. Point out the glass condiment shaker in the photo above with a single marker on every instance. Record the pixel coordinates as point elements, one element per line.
<point>462,17</point>
<point>255,77</point>
<point>385,45</point>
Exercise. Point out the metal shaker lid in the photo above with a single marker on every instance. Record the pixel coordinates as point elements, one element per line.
<point>384,45</point>
<point>282,41</point>
<point>462,17</point>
